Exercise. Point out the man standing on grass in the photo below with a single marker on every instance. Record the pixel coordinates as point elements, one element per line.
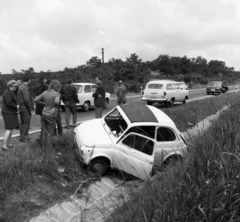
<point>121,93</point>
<point>71,98</point>
<point>99,97</point>
<point>26,108</point>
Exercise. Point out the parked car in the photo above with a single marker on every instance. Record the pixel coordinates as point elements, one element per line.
<point>164,91</point>
<point>85,91</point>
<point>131,138</point>
<point>216,87</point>
<point>183,85</point>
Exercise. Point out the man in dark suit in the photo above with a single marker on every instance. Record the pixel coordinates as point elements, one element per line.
<point>71,98</point>
<point>99,97</point>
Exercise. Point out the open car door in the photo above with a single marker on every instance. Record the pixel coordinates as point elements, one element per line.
<point>134,154</point>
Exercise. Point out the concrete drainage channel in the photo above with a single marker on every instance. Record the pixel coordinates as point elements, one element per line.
<point>100,198</point>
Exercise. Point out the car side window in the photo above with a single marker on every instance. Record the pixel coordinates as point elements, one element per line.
<point>94,88</point>
<point>139,143</point>
<point>148,131</point>
<point>87,89</point>
<point>165,134</point>
<point>169,86</point>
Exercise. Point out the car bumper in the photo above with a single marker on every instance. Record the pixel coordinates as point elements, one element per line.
<point>154,99</point>
<point>79,151</point>
<point>213,90</point>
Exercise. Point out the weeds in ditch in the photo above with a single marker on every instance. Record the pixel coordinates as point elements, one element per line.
<point>32,178</point>
<point>204,188</point>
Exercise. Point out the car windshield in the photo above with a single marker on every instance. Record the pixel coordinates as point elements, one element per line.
<point>79,88</point>
<point>116,122</point>
<point>215,84</point>
<point>155,86</point>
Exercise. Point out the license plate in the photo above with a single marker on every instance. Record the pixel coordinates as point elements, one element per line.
<point>213,90</point>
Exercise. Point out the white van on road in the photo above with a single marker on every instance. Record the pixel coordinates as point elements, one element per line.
<point>164,91</point>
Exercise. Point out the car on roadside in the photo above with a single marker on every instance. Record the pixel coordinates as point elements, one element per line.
<point>183,85</point>
<point>85,91</point>
<point>131,138</point>
<point>164,91</point>
<point>216,87</point>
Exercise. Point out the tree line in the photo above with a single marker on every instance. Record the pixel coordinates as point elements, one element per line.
<point>134,72</point>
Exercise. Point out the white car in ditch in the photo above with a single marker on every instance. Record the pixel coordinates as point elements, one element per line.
<point>131,138</point>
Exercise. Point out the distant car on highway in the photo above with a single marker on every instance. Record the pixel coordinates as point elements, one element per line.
<point>85,91</point>
<point>183,85</point>
<point>131,138</point>
<point>216,87</point>
<point>164,91</point>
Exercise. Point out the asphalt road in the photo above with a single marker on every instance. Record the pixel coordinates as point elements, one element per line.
<point>83,116</point>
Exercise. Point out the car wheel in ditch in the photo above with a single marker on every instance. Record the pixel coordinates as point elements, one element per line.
<point>98,166</point>
<point>86,106</point>
<point>184,101</point>
<point>173,160</point>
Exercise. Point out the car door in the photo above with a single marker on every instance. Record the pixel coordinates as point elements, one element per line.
<point>167,144</point>
<point>134,154</point>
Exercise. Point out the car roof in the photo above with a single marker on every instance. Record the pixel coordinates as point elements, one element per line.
<point>144,113</point>
<point>83,84</point>
<point>162,81</point>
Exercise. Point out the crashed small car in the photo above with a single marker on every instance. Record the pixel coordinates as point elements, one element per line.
<point>131,138</point>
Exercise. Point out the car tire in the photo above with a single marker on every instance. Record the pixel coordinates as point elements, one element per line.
<point>149,103</point>
<point>171,103</point>
<point>98,166</point>
<point>106,103</point>
<point>184,101</point>
<point>172,160</point>
<point>63,108</point>
<point>86,106</point>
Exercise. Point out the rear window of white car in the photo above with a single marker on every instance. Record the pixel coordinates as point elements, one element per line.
<point>87,89</point>
<point>155,86</point>
<point>79,88</point>
<point>165,134</point>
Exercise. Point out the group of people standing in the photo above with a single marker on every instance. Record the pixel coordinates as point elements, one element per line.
<point>18,101</point>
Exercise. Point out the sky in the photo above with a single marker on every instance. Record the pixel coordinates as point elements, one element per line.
<point>54,34</point>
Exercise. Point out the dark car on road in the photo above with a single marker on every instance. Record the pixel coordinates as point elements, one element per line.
<point>216,87</point>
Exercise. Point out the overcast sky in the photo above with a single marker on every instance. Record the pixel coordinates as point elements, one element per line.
<point>54,34</point>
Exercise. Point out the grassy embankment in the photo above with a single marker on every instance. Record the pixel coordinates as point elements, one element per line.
<point>204,188</point>
<point>32,179</point>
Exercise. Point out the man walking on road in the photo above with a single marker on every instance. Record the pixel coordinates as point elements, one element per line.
<point>26,108</point>
<point>71,98</point>
<point>99,98</point>
<point>121,93</point>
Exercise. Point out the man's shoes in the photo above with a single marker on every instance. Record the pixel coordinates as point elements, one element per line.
<point>22,141</point>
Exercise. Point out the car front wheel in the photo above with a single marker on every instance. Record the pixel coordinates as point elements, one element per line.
<point>86,106</point>
<point>98,166</point>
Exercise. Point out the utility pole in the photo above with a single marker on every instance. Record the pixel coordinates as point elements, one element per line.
<point>102,55</point>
